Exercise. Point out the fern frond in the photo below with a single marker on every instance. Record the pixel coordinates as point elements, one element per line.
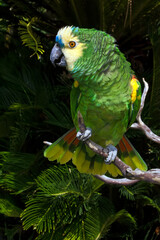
<point>155,203</point>
<point>8,206</point>
<point>70,199</point>
<point>63,195</point>
<point>99,220</point>
<point>30,38</point>
<point>14,171</point>
<point>131,192</point>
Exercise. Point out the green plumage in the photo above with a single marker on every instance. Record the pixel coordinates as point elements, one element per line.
<point>104,81</point>
<point>104,98</point>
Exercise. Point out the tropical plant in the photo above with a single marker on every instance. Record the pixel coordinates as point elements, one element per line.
<point>29,38</point>
<point>126,20</point>
<point>142,203</point>
<point>64,197</point>
<point>56,202</point>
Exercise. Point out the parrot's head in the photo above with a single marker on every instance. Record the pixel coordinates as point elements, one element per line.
<point>78,49</point>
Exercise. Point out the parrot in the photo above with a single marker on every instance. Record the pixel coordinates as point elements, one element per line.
<point>107,94</point>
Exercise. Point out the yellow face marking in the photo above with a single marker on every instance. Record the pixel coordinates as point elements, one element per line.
<point>71,54</point>
<point>134,86</point>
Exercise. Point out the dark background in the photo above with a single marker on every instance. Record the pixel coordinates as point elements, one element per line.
<point>34,106</point>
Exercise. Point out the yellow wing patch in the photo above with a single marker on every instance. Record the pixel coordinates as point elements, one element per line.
<point>134,86</point>
<point>71,54</point>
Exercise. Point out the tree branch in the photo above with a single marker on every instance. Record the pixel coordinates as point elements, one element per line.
<point>131,176</point>
<point>140,124</point>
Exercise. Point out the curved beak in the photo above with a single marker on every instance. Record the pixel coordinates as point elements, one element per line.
<point>57,57</point>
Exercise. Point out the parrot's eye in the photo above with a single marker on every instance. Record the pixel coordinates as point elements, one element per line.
<point>72,44</point>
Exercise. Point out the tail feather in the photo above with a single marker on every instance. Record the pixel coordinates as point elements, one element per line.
<point>79,157</point>
<point>62,149</point>
<point>69,147</point>
<point>64,158</point>
<point>124,153</point>
<point>129,155</point>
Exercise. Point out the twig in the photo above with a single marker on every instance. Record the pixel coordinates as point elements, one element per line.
<point>117,181</point>
<point>47,143</point>
<point>140,124</point>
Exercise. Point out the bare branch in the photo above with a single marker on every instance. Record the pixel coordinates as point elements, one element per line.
<point>140,124</point>
<point>117,181</point>
<point>130,176</point>
<point>47,143</point>
<point>152,176</point>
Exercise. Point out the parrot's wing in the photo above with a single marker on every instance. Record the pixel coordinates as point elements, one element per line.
<point>74,102</point>
<point>135,100</point>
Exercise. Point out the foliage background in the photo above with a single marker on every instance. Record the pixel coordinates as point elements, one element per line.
<point>42,200</point>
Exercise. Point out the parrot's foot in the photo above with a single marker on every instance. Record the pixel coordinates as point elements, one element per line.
<point>112,154</point>
<point>85,135</point>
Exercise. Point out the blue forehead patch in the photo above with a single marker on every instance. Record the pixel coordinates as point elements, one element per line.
<point>75,29</point>
<point>58,39</point>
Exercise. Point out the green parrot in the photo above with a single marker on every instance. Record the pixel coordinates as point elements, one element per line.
<point>106,93</point>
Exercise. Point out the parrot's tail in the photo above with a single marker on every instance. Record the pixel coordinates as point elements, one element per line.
<point>62,149</point>
<point>69,147</point>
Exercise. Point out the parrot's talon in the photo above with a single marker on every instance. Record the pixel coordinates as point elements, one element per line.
<point>85,135</point>
<point>112,154</point>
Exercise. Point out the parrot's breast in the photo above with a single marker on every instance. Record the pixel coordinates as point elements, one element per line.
<point>107,120</point>
<point>105,94</point>
<point>105,111</point>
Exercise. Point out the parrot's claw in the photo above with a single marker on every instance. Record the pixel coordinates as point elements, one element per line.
<point>85,135</point>
<point>112,154</point>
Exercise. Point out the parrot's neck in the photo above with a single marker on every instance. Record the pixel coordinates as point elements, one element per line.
<point>105,78</point>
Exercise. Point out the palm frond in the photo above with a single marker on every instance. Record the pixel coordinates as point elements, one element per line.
<point>14,171</point>
<point>58,114</point>
<point>63,194</point>
<point>155,203</point>
<point>132,192</point>
<point>125,225</point>
<point>8,206</point>
<point>70,199</point>
<point>29,37</point>
<point>99,220</point>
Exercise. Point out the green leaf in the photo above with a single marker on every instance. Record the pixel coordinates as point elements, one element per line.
<point>28,36</point>
<point>155,203</point>
<point>8,206</point>
<point>137,190</point>
<point>14,171</point>
<point>99,220</point>
<point>63,194</point>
